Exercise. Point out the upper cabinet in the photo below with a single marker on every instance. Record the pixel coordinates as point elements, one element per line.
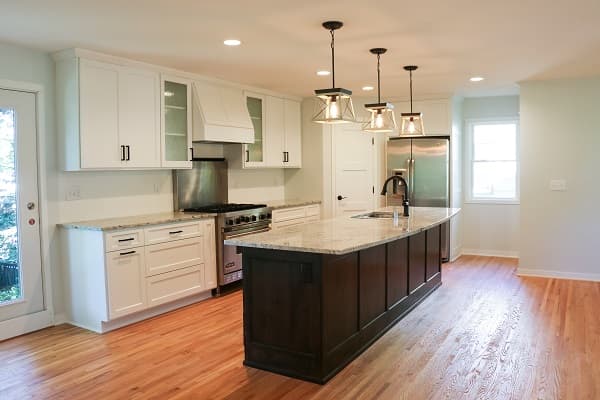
<point>176,132</point>
<point>277,134</point>
<point>220,114</point>
<point>108,115</point>
<point>437,118</point>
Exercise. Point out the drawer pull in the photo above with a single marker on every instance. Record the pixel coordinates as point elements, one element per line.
<point>174,232</point>
<point>127,253</point>
<point>126,240</point>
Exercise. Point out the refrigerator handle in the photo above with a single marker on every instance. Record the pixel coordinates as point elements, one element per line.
<point>411,189</point>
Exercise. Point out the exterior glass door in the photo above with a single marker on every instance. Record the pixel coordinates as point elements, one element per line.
<point>21,289</point>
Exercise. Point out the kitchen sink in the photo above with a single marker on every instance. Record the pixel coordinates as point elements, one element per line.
<point>376,215</point>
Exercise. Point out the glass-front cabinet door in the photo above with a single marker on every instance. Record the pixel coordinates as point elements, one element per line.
<point>176,122</point>
<point>254,153</point>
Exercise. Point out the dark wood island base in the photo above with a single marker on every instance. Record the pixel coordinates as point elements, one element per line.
<point>308,315</point>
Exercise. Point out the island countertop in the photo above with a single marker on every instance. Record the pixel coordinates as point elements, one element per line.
<point>342,235</point>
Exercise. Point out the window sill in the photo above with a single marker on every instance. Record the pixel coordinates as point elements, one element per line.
<point>493,202</point>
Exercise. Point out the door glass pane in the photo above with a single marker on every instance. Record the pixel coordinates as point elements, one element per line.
<point>10,272</point>
<point>255,150</point>
<point>176,129</point>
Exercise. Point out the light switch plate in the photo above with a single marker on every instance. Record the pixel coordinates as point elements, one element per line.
<point>73,193</point>
<point>558,185</point>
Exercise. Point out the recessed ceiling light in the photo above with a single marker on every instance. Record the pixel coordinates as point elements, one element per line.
<point>367,88</point>
<point>323,73</point>
<point>476,79</point>
<point>232,42</point>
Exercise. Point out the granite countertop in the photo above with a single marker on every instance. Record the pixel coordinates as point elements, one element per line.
<point>137,221</point>
<point>344,234</point>
<point>281,204</point>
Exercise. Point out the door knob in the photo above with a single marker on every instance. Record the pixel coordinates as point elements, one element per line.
<point>340,197</point>
<point>30,206</point>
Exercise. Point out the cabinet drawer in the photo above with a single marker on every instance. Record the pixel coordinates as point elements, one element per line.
<point>171,256</point>
<point>288,213</point>
<point>124,239</point>
<point>313,218</point>
<point>290,222</point>
<point>313,210</point>
<point>174,285</point>
<point>167,233</point>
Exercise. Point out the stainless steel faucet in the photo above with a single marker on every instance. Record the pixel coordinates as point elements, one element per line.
<point>398,178</point>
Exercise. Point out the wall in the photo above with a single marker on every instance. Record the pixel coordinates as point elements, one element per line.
<point>456,181</point>
<point>560,138</point>
<point>490,229</point>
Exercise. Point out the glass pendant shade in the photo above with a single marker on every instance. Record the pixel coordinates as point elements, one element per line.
<point>412,124</point>
<point>382,118</point>
<point>333,106</point>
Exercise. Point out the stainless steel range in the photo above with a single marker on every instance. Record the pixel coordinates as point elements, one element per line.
<point>204,189</point>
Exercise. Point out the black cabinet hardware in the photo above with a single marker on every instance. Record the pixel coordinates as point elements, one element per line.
<point>174,232</point>
<point>247,155</point>
<point>128,153</point>
<point>192,153</point>
<point>127,253</point>
<point>126,240</point>
<point>122,153</point>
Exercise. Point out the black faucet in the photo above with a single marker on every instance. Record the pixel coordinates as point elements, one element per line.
<point>398,178</point>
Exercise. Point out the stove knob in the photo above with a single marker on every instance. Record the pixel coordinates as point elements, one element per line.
<point>244,218</point>
<point>229,222</point>
<point>262,216</point>
<point>269,215</point>
<point>253,218</point>
<point>237,220</point>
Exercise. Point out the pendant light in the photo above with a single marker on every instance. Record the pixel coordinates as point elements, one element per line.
<point>412,122</point>
<point>333,105</point>
<point>382,114</point>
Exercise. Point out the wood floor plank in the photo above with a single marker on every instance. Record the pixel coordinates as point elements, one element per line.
<point>484,334</point>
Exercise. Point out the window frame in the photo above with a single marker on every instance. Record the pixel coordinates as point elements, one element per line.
<point>469,156</point>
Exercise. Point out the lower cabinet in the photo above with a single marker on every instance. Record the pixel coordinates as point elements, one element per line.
<point>283,217</point>
<point>119,273</point>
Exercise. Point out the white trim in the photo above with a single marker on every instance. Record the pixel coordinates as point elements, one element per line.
<point>24,324</point>
<point>490,253</point>
<point>468,160</point>
<point>46,316</point>
<point>544,273</point>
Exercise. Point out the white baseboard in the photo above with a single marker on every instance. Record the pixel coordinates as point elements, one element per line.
<point>25,324</point>
<point>490,253</point>
<point>545,273</point>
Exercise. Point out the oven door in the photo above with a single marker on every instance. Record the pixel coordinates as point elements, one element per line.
<point>232,257</point>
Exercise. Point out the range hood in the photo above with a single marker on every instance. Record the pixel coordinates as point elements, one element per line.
<point>220,114</point>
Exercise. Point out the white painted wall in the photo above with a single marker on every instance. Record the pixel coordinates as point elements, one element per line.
<point>489,229</point>
<point>560,138</point>
<point>456,181</point>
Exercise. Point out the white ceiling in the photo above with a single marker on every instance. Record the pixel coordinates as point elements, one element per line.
<point>284,44</point>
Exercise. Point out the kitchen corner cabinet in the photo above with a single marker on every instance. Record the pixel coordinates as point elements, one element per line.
<point>108,115</point>
<point>176,125</point>
<point>130,273</point>
<point>277,134</point>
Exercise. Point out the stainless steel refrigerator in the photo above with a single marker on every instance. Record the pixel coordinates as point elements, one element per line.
<point>424,163</point>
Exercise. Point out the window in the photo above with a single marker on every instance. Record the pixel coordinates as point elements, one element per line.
<point>493,166</point>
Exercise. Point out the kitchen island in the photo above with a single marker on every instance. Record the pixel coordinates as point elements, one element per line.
<point>317,295</point>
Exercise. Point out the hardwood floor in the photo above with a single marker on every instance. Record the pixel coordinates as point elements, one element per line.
<point>485,334</point>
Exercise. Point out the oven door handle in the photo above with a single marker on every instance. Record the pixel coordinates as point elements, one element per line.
<point>230,236</point>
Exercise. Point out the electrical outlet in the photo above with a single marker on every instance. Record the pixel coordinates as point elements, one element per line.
<point>558,185</point>
<point>156,188</point>
<point>74,193</point>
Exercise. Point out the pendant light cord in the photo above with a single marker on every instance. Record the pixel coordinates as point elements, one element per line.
<point>332,57</point>
<point>378,79</point>
<point>411,109</point>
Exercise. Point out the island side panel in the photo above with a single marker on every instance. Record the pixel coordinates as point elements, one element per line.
<point>397,272</point>
<point>282,312</point>
<point>372,284</point>
<point>417,258</point>
<point>434,258</point>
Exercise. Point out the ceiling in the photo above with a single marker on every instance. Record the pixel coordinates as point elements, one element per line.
<point>284,44</point>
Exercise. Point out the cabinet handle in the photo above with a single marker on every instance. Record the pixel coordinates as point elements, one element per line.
<point>122,153</point>
<point>126,240</point>
<point>128,153</point>
<point>287,156</point>
<point>174,232</point>
<point>247,155</point>
<point>192,153</point>
<point>284,156</point>
<point>127,253</point>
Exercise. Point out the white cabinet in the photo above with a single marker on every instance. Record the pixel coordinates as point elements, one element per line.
<point>125,282</point>
<point>176,126</point>
<point>437,118</point>
<point>126,273</point>
<point>283,217</point>
<point>277,134</point>
<point>108,115</point>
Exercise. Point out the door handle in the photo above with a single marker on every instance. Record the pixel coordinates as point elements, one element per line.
<point>247,155</point>
<point>340,197</point>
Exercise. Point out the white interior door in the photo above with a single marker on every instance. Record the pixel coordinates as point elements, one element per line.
<point>21,285</point>
<point>354,170</point>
